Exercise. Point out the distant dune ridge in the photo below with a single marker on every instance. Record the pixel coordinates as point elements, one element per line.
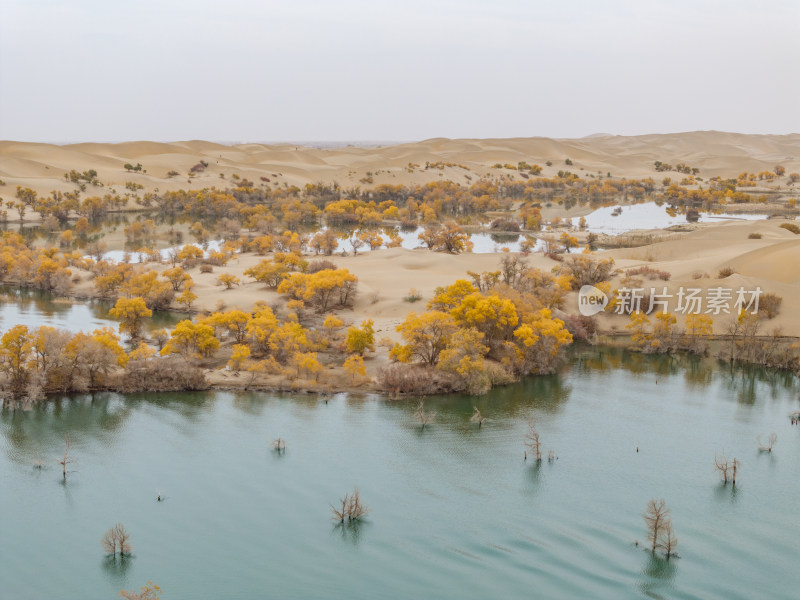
<point>42,166</point>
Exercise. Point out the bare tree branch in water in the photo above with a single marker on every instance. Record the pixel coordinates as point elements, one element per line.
<point>349,507</point>
<point>773,437</point>
<point>532,442</point>
<point>477,417</point>
<point>657,520</point>
<point>340,511</point>
<point>66,459</point>
<point>423,417</point>
<point>116,539</point>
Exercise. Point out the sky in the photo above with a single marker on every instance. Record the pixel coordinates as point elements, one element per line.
<point>302,70</point>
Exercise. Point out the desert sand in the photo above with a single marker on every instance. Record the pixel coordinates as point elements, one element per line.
<point>42,166</point>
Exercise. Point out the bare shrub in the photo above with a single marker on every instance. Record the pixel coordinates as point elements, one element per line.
<point>169,374</point>
<point>581,327</point>
<point>413,296</point>
<point>320,265</point>
<point>754,236</point>
<point>649,273</point>
<point>415,380</point>
<point>505,225</point>
<point>769,305</point>
<point>790,227</point>
<point>585,271</point>
<point>206,268</point>
<point>699,275</point>
<point>773,437</point>
<point>725,272</point>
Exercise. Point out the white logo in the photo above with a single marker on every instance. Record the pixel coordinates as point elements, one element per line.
<point>591,300</point>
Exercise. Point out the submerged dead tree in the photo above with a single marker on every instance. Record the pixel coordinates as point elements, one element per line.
<point>349,507</point>
<point>727,467</point>
<point>477,417</point>
<point>659,528</point>
<point>423,418</point>
<point>773,437</point>
<point>532,442</point>
<point>66,459</point>
<point>116,539</point>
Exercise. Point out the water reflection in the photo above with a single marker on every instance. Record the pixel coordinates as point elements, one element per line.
<point>35,308</point>
<point>350,531</point>
<point>116,568</point>
<point>658,576</point>
<point>726,492</point>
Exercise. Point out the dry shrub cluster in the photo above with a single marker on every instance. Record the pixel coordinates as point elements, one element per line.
<point>580,326</point>
<point>169,374</point>
<point>649,273</point>
<point>320,265</point>
<point>415,380</point>
<point>504,225</point>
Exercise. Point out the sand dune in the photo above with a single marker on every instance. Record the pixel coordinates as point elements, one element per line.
<point>41,166</point>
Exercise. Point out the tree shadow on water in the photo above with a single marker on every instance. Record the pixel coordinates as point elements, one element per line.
<point>658,576</point>
<point>726,492</point>
<point>117,567</point>
<point>350,531</point>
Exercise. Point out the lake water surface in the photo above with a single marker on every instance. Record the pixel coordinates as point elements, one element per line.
<point>455,510</point>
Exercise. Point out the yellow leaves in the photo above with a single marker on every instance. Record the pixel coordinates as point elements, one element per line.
<point>332,322</point>
<point>307,363</point>
<point>699,325</point>
<point>446,238</point>
<point>540,340</point>
<point>132,312</point>
<point>190,252</point>
<point>240,353</point>
<point>426,335</point>
<point>526,335</point>
<point>142,352</point>
<point>177,277</point>
<point>191,339</point>
<point>288,339</point>
<point>492,315</point>
<point>267,272</point>
<point>354,366</point>
<point>638,326</point>
<point>228,281</point>
<point>261,327</point>
<point>447,298</point>
<point>186,298</point>
<point>235,321</point>
<point>328,287</point>
<point>568,240</point>
<point>157,294</point>
<point>109,341</point>
<point>359,340</point>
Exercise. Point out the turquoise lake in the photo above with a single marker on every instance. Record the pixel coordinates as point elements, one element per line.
<point>455,511</point>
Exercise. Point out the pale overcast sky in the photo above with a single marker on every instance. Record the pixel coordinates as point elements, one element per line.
<point>238,70</point>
